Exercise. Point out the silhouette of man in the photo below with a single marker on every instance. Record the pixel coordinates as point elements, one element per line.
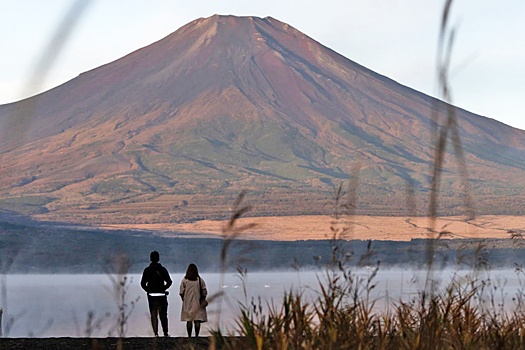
<point>155,281</point>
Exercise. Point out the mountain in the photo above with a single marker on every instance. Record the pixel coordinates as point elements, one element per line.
<point>175,130</point>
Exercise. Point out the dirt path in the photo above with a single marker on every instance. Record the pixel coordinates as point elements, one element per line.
<point>173,343</point>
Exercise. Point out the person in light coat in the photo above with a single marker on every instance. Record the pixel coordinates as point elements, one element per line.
<point>191,288</point>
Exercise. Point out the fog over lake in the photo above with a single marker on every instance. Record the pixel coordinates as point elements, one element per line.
<point>58,305</point>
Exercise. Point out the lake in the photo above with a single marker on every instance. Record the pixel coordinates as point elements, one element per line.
<point>58,305</point>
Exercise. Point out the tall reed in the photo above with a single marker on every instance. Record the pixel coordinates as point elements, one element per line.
<point>120,284</point>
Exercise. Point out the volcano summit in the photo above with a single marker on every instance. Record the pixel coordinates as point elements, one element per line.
<point>175,130</point>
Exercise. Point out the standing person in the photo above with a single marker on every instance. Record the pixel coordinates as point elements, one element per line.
<point>155,281</point>
<point>191,288</point>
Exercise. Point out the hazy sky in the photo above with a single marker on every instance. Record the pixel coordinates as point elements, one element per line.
<point>396,38</point>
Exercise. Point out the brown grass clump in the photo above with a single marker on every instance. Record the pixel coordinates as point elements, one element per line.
<point>342,317</point>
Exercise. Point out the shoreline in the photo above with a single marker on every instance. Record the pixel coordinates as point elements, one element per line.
<point>135,343</point>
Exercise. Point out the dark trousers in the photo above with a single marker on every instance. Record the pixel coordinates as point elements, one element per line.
<point>158,308</point>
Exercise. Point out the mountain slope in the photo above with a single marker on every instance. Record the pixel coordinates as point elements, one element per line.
<point>175,130</point>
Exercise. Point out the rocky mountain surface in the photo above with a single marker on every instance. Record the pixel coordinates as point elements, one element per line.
<point>175,130</point>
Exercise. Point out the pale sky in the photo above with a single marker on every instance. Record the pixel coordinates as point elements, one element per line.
<point>395,38</point>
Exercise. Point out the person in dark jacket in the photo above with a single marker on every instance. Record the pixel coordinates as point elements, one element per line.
<point>155,281</point>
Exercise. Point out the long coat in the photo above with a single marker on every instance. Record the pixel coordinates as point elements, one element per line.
<point>190,294</point>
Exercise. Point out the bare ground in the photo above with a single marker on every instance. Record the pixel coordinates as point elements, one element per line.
<point>292,228</point>
<point>173,343</point>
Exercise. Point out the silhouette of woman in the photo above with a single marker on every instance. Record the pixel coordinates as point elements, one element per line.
<point>191,288</point>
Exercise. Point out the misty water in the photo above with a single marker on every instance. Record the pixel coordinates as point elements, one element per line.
<point>58,305</point>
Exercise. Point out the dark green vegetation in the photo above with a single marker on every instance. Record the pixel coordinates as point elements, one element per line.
<point>45,249</point>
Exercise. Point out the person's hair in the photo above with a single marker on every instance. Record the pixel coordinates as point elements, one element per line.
<point>154,256</point>
<point>192,273</point>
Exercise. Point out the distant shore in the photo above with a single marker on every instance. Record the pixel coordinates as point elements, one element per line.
<point>267,244</point>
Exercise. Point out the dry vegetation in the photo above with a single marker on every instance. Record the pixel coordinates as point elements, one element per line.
<point>463,314</point>
<point>343,317</point>
<point>293,228</point>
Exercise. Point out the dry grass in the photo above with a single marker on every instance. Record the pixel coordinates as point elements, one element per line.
<point>292,228</point>
<point>454,316</point>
